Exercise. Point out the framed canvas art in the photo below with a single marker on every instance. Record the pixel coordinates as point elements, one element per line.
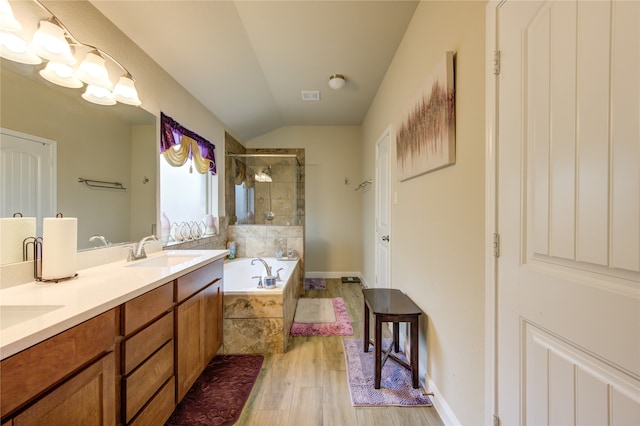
<point>426,133</point>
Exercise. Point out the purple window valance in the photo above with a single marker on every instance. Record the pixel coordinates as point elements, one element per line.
<point>171,134</point>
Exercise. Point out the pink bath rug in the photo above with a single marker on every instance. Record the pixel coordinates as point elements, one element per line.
<point>341,327</point>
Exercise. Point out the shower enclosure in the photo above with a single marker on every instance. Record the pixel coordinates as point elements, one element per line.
<point>269,189</point>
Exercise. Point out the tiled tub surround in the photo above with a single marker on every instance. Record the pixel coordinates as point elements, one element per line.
<point>258,320</point>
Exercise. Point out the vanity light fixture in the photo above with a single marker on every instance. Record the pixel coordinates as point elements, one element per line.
<point>125,91</point>
<point>16,49</point>
<point>49,42</point>
<point>98,95</point>
<point>264,175</point>
<point>92,70</point>
<point>8,22</point>
<point>52,41</point>
<point>60,74</point>
<point>337,81</point>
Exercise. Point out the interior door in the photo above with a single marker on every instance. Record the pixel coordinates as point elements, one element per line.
<point>568,208</point>
<point>383,212</point>
<point>27,167</point>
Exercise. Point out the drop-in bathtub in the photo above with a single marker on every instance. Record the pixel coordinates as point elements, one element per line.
<point>258,320</point>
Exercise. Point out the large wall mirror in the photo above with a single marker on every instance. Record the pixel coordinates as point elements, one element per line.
<point>116,143</point>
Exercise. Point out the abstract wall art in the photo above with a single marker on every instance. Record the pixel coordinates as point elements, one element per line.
<point>426,133</point>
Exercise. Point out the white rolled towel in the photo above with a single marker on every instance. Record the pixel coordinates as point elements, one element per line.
<point>13,231</point>
<point>59,247</point>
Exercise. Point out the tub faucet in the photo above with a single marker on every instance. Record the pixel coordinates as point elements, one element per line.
<point>101,238</point>
<point>140,253</point>
<point>267,268</point>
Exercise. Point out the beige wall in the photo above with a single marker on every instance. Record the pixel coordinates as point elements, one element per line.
<point>437,229</point>
<point>143,192</point>
<point>333,233</point>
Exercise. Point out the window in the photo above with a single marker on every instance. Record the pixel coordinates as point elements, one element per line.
<point>188,179</point>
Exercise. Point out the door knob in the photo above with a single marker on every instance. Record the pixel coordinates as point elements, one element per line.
<point>385,238</point>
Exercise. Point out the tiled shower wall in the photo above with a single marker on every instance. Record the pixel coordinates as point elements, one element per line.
<point>264,240</point>
<point>282,194</point>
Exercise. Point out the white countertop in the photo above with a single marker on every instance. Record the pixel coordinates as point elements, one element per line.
<point>94,291</point>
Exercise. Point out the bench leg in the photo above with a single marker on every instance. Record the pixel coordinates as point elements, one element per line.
<point>396,337</point>
<point>366,328</point>
<point>414,352</point>
<point>378,358</point>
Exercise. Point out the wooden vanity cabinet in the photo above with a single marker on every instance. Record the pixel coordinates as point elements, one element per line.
<point>66,379</point>
<point>147,357</point>
<point>129,365</point>
<point>198,318</point>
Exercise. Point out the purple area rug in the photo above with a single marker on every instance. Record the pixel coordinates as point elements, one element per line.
<point>342,326</point>
<point>395,384</point>
<point>315,284</point>
<point>218,396</point>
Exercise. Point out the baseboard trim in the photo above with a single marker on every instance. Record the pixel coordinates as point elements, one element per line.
<point>332,274</point>
<point>441,406</point>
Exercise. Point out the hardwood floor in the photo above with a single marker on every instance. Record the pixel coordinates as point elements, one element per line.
<point>308,384</point>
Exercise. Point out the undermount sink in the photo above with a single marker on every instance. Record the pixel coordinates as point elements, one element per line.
<point>163,261</point>
<point>11,315</point>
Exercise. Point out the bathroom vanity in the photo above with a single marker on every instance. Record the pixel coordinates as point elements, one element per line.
<point>121,344</point>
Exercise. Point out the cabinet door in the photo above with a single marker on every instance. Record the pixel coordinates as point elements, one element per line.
<point>88,398</point>
<point>213,320</point>
<point>31,372</point>
<point>189,343</point>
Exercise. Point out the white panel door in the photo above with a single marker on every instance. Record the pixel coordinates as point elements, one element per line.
<point>383,212</point>
<point>568,197</point>
<point>27,167</point>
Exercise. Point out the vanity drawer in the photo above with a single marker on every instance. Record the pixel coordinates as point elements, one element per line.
<point>143,309</point>
<point>138,347</point>
<point>143,382</point>
<point>160,408</point>
<point>195,281</point>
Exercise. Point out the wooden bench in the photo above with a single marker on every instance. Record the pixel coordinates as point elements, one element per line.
<point>391,305</point>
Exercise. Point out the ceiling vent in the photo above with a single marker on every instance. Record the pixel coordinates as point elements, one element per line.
<point>310,95</point>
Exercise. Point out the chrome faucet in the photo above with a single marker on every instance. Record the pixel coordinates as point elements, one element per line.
<point>266,267</point>
<point>101,238</point>
<point>136,250</point>
<point>139,251</point>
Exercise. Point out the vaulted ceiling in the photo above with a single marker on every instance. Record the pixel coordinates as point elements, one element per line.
<point>248,61</point>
